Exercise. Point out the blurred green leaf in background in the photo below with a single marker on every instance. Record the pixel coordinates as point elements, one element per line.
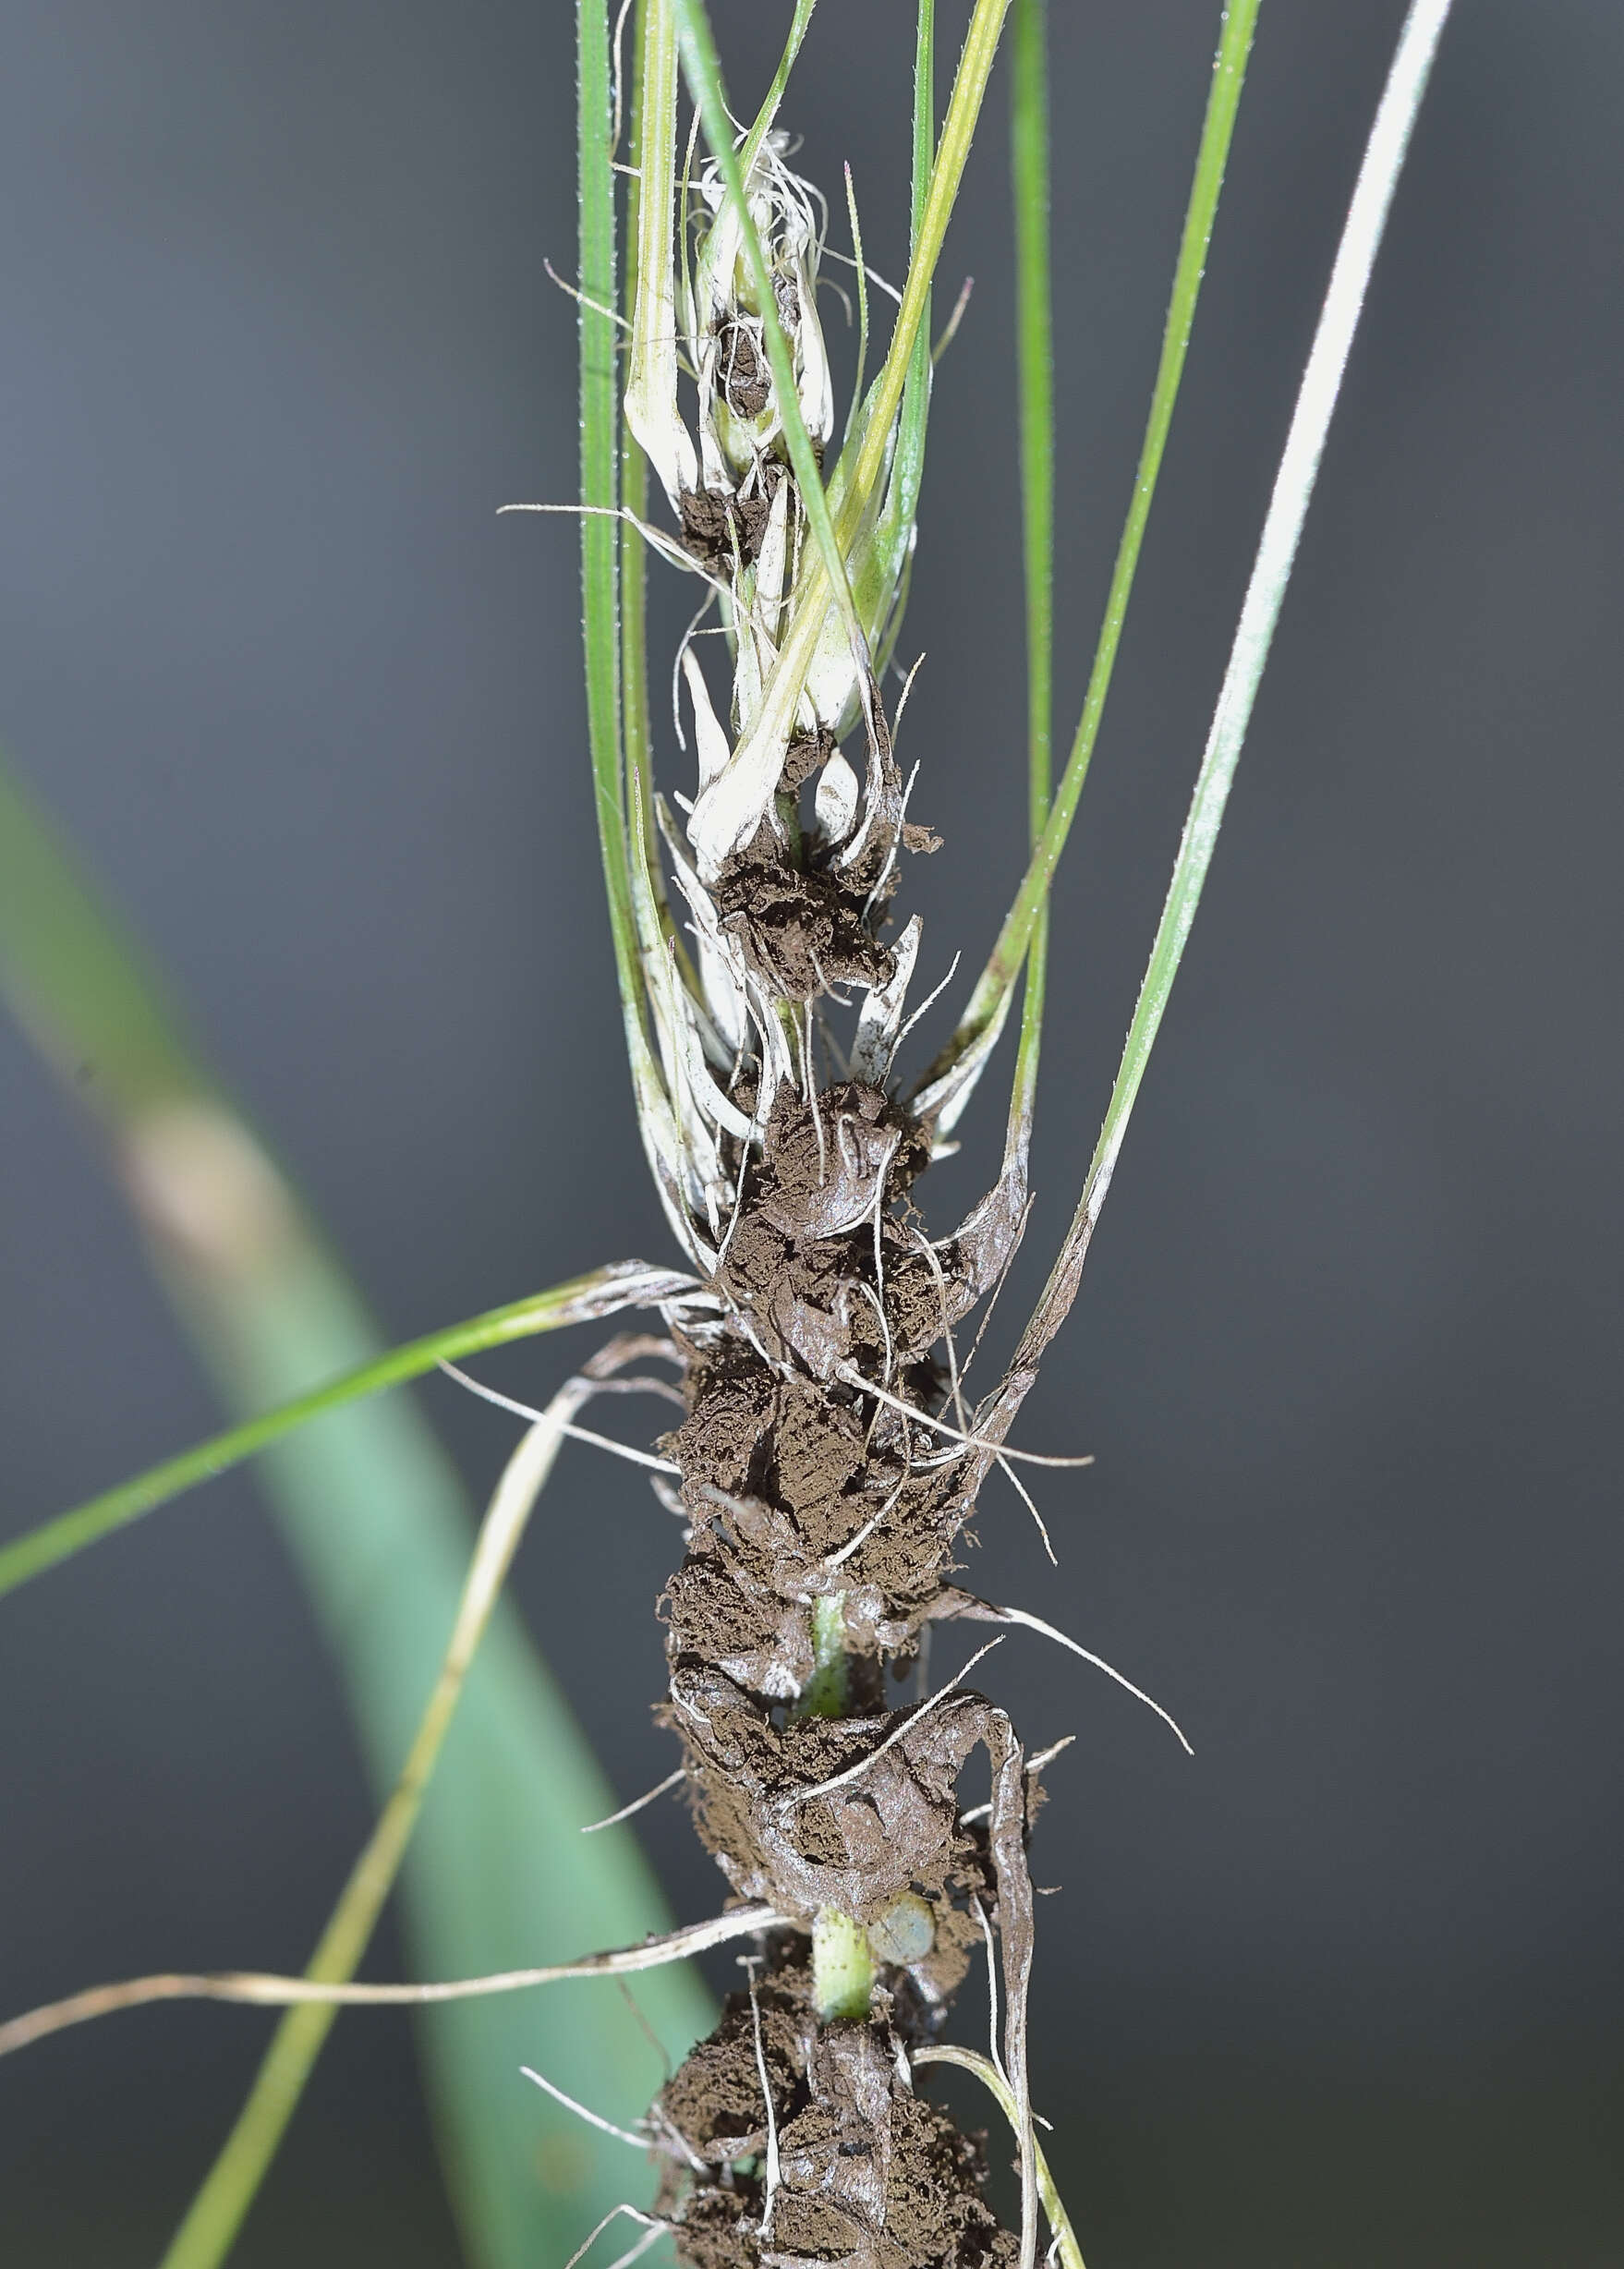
<point>377,1524</point>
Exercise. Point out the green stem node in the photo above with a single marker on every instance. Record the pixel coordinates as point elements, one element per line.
<point>825,1694</point>
<point>843,1967</point>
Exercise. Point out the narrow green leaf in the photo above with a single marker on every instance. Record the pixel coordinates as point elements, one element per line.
<point>861,279</point>
<point>636,720</point>
<point>1034,362</point>
<point>498,1870</point>
<point>375,1519</point>
<point>634,496</point>
<point>601,536</point>
<point>1260,612</point>
<point>947,172</point>
<point>990,998</point>
<point>579,1301</point>
<point>1035,383</point>
<point>780,79</point>
<point>893,546</point>
<point>599,409</point>
<point>84,994</point>
<point>924,121</point>
<point>217,2214</point>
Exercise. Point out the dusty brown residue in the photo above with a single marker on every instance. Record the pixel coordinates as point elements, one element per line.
<point>713,523</point>
<point>743,378</point>
<point>802,1487</point>
<point>868,2172</point>
<point>801,926</point>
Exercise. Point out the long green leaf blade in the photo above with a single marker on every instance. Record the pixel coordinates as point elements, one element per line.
<point>902,506</point>
<point>376,1520</point>
<point>762,124</point>
<point>990,999</point>
<point>54,1541</point>
<point>1034,386</point>
<point>217,2212</point>
<point>498,1870</point>
<point>1260,612</point>
<point>1035,365</point>
<point>599,409</point>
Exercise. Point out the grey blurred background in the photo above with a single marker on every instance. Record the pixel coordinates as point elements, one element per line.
<point>275,340</point>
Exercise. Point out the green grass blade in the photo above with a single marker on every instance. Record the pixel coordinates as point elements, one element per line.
<point>1034,362</point>
<point>600,540</point>
<point>702,71</point>
<point>600,536</point>
<point>990,998</point>
<point>1035,382</point>
<point>901,504</point>
<point>1260,610</point>
<point>634,495</point>
<point>498,1869</point>
<point>81,993</point>
<point>377,1524</point>
<point>637,724</point>
<point>217,2212</point>
<point>932,212</point>
<point>780,79</point>
<point>579,1301</point>
<point>861,280</point>
<point>924,121</point>
<point>947,172</point>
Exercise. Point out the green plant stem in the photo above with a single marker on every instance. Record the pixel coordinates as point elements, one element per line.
<point>947,172</point>
<point>1260,612</point>
<point>843,1967</point>
<point>780,79</point>
<point>1035,353</point>
<point>915,400</point>
<point>924,125</point>
<point>635,722</point>
<point>825,1693</point>
<point>634,495</point>
<point>861,280</point>
<point>901,505</point>
<point>217,2210</point>
<point>993,988</point>
<point>579,1301</point>
<point>600,536</point>
<point>1035,372</point>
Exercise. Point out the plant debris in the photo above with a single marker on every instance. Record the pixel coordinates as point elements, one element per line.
<point>814,1507</point>
<point>826,1463</point>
